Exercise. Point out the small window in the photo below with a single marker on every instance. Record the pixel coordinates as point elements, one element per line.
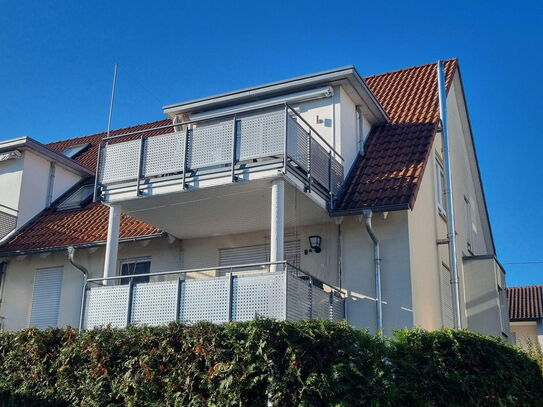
<point>135,266</point>
<point>78,199</point>
<point>441,192</point>
<point>73,151</point>
<point>46,297</point>
<point>502,307</point>
<point>469,224</point>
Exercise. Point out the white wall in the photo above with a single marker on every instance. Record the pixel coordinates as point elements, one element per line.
<point>358,272</point>
<point>11,173</point>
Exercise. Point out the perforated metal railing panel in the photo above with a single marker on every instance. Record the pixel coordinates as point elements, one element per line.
<point>107,305</point>
<point>210,144</point>
<point>260,135</point>
<point>319,163</point>
<point>337,175</point>
<point>321,303</point>
<point>7,223</point>
<point>261,295</point>
<point>119,162</point>
<point>299,300</point>
<point>154,303</point>
<point>205,300</point>
<point>297,139</point>
<point>217,299</point>
<point>163,154</point>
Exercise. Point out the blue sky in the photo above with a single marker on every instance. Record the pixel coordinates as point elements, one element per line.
<point>57,57</point>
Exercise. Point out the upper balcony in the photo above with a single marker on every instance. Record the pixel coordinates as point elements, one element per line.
<point>231,148</point>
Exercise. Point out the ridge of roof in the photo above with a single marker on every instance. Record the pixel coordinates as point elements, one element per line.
<point>410,68</point>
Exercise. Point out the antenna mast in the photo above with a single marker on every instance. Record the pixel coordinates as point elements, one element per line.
<point>112,100</point>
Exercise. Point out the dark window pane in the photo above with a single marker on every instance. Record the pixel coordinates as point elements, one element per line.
<point>142,267</point>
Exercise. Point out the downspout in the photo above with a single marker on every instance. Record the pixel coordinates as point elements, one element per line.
<point>377,260</point>
<point>71,255</point>
<point>449,191</point>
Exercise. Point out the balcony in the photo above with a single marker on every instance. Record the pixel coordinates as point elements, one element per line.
<point>222,294</point>
<point>233,148</point>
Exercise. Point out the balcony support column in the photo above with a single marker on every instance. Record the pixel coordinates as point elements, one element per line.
<point>112,243</point>
<point>277,222</point>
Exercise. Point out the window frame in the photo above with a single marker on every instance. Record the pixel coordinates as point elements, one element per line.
<point>469,224</point>
<point>135,261</point>
<point>441,193</point>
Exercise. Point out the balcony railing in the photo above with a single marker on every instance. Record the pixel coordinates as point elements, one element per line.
<point>239,293</point>
<point>223,146</point>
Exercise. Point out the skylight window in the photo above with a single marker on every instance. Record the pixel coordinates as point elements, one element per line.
<point>78,198</point>
<point>71,152</point>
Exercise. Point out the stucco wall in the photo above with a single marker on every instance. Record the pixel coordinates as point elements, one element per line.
<point>525,333</point>
<point>358,272</point>
<point>11,173</point>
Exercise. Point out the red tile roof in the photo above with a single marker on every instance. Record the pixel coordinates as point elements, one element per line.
<point>525,303</point>
<point>388,174</point>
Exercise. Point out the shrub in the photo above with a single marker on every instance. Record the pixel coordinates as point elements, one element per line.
<point>308,363</point>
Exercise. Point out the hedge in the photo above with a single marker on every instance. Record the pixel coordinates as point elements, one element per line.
<point>309,363</point>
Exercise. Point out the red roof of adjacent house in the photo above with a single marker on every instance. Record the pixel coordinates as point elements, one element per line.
<point>525,303</point>
<point>388,175</point>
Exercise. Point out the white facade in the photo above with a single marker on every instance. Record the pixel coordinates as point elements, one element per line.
<point>222,213</point>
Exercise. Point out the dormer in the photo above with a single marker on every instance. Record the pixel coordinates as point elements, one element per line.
<point>31,177</point>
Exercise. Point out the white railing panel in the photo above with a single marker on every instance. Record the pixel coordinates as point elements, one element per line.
<point>163,154</point>
<point>321,303</point>
<point>260,135</point>
<point>210,144</point>
<point>7,223</point>
<point>299,300</point>
<point>204,300</point>
<point>297,146</point>
<point>261,295</point>
<point>119,162</point>
<point>337,310</point>
<point>337,176</point>
<point>107,305</point>
<point>154,303</point>
<point>319,163</point>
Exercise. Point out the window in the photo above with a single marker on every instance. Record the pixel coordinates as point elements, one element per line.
<point>447,310</point>
<point>502,308</point>
<point>46,297</point>
<point>77,199</point>
<point>441,192</point>
<point>135,266</point>
<point>258,254</point>
<point>469,224</point>
<point>71,152</point>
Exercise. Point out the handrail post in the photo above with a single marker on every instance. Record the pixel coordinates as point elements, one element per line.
<point>233,163</point>
<point>178,300</point>
<point>185,155</point>
<point>330,179</point>
<point>285,142</point>
<point>129,305</point>
<point>308,188</point>
<point>285,290</point>
<point>230,289</point>
<point>140,165</point>
<point>98,172</point>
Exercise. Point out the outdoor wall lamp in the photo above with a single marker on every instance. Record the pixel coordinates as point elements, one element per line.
<point>315,243</point>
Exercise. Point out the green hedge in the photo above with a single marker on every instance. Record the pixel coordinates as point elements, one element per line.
<point>311,363</point>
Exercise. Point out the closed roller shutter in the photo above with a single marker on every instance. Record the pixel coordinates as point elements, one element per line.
<point>258,254</point>
<point>46,297</point>
<point>446,298</point>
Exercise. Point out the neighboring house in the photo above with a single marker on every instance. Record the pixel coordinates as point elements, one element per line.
<point>526,314</point>
<point>286,200</point>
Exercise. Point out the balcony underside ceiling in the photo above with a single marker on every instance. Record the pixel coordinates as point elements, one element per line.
<point>222,210</point>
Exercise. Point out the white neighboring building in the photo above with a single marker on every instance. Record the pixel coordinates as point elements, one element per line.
<point>259,201</point>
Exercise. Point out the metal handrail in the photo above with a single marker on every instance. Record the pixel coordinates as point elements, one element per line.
<point>9,208</point>
<point>286,265</point>
<point>224,115</point>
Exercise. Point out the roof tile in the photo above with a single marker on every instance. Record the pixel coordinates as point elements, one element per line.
<point>525,303</point>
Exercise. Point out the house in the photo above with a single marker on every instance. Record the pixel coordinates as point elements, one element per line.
<point>526,314</point>
<point>322,195</point>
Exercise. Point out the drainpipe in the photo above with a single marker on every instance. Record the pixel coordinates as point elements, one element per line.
<point>377,260</point>
<point>71,254</point>
<point>449,191</point>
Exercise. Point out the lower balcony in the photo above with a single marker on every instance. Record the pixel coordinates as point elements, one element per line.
<point>222,294</point>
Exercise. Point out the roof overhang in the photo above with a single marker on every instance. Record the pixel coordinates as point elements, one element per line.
<point>27,143</point>
<point>348,77</point>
